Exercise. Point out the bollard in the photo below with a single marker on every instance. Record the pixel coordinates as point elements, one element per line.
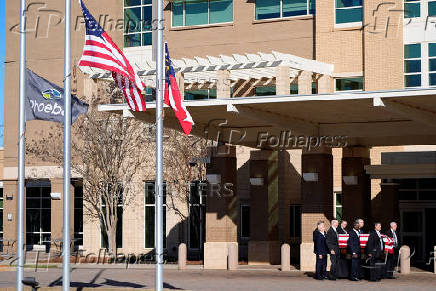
<point>182,256</point>
<point>405,260</point>
<point>232,257</point>
<point>286,257</point>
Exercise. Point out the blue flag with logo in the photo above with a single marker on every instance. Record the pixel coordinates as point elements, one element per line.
<point>45,100</point>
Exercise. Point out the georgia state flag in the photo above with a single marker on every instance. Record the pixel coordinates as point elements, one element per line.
<point>173,97</point>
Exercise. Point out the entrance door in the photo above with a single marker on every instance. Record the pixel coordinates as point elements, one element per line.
<point>412,232</point>
<point>38,216</point>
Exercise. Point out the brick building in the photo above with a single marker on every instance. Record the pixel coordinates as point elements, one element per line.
<point>355,72</point>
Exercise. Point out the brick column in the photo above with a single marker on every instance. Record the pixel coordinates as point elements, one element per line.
<point>305,83</point>
<point>283,80</point>
<point>57,209</point>
<point>317,200</point>
<point>221,207</point>
<point>356,184</point>
<point>180,77</point>
<point>264,244</point>
<point>10,200</point>
<point>325,84</point>
<point>223,84</point>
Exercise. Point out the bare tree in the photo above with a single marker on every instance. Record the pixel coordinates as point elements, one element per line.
<point>108,151</point>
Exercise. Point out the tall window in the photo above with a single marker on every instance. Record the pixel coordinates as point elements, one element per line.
<point>78,215</point>
<point>149,214</point>
<point>432,63</point>
<point>295,220</point>
<point>412,65</point>
<point>137,23</point>
<point>1,219</point>
<point>349,11</point>
<point>431,8</point>
<point>197,214</point>
<point>38,214</point>
<point>267,9</point>
<point>349,84</point>
<point>245,221</point>
<point>119,227</point>
<point>200,94</point>
<point>338,205</point>
<point>201,12</point>
<point>412,8</point>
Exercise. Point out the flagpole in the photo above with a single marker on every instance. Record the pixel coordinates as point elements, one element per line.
<point>67,151</point>
<point>159,146</point>
<point>21,148</point>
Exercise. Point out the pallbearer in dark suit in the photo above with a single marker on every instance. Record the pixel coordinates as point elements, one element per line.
<point>333,248</point>
<point>353,246</point>
<point>342,229</point>
<point>392,258</point>
<point>320,251</point>
<point>374,250</point>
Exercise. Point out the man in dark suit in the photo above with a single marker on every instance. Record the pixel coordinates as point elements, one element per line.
<point>353,246</point>
<point>392,258</point>
<point>320,251</point>
<point>374,250</point>
<point>333,248</point>
<point>342,229</point>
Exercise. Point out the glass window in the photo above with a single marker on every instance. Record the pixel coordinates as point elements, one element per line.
<point>200,94</point>
<point>267,9</point>
<point>338,205</point>
<point>201,12</point>
<point>294,89</point>
<point>432,8</point>
<point>137,23</point>
<point>149,214</point>
<point>38,215</point>
<point>78,215</point>
<point>295,221</point>
<point>349,11</point>
<point>245,221</point>
<point>197,214</point>
<point>412,8</point>
<point>265,91</point>
<point>412,64</point>
<point>432,63</point>
<point>349,84</point>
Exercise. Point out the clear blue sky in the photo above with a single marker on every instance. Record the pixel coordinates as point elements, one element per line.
<point>2,66</point>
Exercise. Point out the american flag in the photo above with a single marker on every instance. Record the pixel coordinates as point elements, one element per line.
<point>173,97</point>
<point>102,53</point>
<point>389,242</point>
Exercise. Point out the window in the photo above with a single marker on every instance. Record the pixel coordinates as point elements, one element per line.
<point>1,219</point>
<point>245,221</point>
<point>349,84</point>
<point>294,88</point>
<point>412,8</point>
<point>149,214</point>
<point>431,8</point>
<point>417,189</point>
<point>197,214</point>
<point>412,65</point>
<point>200,94</point>
<point>201,12</point>
<point>137,23</point>
<point>268,9</point>
<point>432,63</point>
<point>265,91</point>
<point>295,220</point>
<point>338,205</point>
<point>78,215</point>
<point>38,214</point>
<point>349,11</point>
<point>119,231</point>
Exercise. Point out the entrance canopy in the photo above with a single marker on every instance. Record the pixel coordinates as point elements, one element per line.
<point>384,118</point>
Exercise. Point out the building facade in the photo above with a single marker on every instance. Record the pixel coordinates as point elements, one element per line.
<point>264,48</point>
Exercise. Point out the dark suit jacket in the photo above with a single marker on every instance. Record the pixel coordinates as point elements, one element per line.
<point>373,246</point>
<point>341,231</point>
<point>332,240</point>
<point>353,244</point>
<point>391,235</point>
<point>320,244</point>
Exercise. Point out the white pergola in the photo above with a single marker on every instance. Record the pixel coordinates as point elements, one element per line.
<point>201,72</point>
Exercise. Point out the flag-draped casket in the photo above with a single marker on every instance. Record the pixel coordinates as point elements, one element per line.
<point>389,242</point>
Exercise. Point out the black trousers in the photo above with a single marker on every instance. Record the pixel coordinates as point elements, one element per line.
<point>391,263</point>
<point>321,267</point>
<point>334,259</point>
<point>376,268</point>
<point>355,268</point>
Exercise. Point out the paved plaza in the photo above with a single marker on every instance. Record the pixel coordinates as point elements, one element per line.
<point>196,279</point>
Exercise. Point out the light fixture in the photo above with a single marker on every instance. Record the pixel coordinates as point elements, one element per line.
<point>350,180</point>
<point>55,195</point>
<point>213,178</point>
<point>310,177</point>
<point>256,181</point>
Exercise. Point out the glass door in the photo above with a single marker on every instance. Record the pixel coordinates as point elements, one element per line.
<point>412,232</point>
